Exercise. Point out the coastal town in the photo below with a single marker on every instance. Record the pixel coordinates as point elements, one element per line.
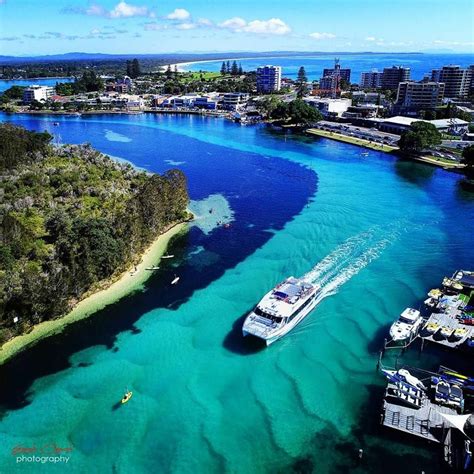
<point>373,112</point>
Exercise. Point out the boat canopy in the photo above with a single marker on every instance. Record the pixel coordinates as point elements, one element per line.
<point>410,314</point>
<point>458,421</point>
<point>465,278</point>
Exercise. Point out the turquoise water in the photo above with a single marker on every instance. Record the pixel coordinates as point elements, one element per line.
<point>375,231</point>
<point>357,62</point>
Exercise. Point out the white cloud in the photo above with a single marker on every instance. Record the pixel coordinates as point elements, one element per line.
<point>235,23</point>
<point>453,43</point>
<point>371,38</point>
<point>179,14</point>
<point>121,10</point>
<point>125,10</point>
<point>322,36</point>
<point>204,22</point>
<point>273,26</point>
<point>186,26</point>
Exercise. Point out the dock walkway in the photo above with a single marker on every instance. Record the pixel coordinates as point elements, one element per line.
<point>425,422</point>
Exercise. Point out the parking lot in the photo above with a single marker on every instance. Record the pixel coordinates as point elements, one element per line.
<point>370,134</point>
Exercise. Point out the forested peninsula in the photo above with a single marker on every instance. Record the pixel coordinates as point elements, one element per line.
<point>71,219</point>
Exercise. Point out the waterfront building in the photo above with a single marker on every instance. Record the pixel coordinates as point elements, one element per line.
<point>268,79</point>
<point>457,80</point>
<point>39,93</point>
<point>371,80</point>
<point>392,76</point>
<point>414,96</point>
<point>399,124</point>
<point>368,97</point>
<point>329,107</point>
<point>234,100</point>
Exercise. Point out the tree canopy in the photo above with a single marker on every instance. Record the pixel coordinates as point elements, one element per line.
<point>422,135</point>
<point>71,217</point>
<point>301,83</point>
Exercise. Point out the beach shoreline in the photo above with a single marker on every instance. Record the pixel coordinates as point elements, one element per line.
<point>110,292</point>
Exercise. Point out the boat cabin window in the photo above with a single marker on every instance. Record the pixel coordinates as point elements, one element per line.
<point>259,312</point>
<point>405,320</point>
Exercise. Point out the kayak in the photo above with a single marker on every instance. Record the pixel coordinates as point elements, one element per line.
<point>127,397</point>
<point>175,281</point>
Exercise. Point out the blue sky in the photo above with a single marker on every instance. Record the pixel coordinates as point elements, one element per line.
<point>155,26</point>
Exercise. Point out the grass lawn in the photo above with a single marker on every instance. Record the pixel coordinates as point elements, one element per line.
<point>196,76</point>
<point>354,141</point>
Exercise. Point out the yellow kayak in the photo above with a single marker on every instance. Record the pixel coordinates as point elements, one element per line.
<point>127,397</point>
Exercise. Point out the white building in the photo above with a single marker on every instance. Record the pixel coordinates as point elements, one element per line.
<point>329,107</point>
<point>39,93</point>
<point>233,100</point>
<point>268,79</point>
<point>399,124</point>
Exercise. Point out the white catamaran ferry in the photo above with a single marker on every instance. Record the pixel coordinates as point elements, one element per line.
<point>281,309</point>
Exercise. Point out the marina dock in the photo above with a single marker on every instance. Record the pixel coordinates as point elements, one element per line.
<point>425,422</point>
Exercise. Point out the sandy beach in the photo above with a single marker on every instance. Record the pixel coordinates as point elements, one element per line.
<point>125,284</point>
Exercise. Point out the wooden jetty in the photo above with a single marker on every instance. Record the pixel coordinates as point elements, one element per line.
<point>425,422</point>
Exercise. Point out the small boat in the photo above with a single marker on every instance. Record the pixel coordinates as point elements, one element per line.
<point>127,396</point>
<point>152,268</point>
<point>431,328</point>
<point>56,124</point>
<point>365,153</point>
<point>175,280</point>
<point>446,331</point>
<point>407,325</point>
<point>435,293</point>
<point>459,333</point>
<point>402,375</point>
<point>167,256</point>
<point>448,283</point>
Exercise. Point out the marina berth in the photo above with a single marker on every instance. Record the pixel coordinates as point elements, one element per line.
<point>281,309</point>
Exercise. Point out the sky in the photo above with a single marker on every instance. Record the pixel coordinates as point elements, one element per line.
<point>36,27</point>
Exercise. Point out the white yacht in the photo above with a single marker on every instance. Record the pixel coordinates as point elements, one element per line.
<point>281,309</point>
<point>407,325</point>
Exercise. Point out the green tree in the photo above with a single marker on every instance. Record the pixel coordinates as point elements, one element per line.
<point>235,69</point>
<point>301,83</point>
<point>468,156</point>
<point>303,114</point>
<point>223,69</point>
<point>421,135</point>
<point>240,71</point>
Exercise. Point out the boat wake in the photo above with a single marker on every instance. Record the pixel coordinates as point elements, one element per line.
<point>349,258</point>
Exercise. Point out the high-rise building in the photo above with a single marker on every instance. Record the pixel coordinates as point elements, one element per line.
<point>457,80</point>
<point>268,79</point>
<point>392,76</point>
<point>413,96</point>
<point>330,83</point>
<point>344,73</point>
<point>371,80</point>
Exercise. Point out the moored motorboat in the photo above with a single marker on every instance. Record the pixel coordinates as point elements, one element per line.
<point>459,333</point>
<point>430,328</point>
<point>446,332</point>
<point>167,256</point>
<point>407,325</point>
<point>152,268</point>
<point>281,309</point>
